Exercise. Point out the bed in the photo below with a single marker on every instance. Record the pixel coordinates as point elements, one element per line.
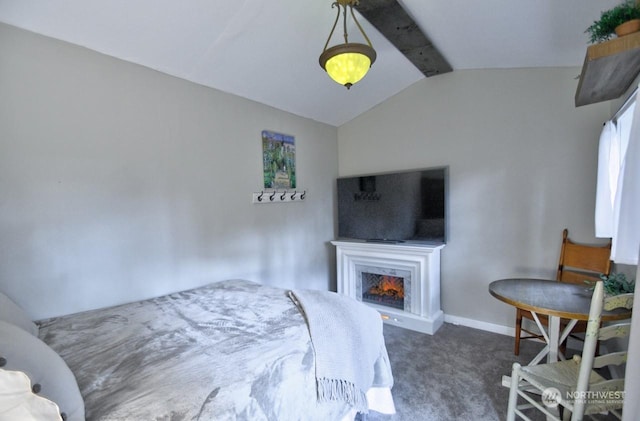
<point>232,350</point>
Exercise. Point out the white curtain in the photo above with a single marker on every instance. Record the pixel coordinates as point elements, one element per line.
<point>626,236</point>
<point>607,182</point>
<point>617,213</point>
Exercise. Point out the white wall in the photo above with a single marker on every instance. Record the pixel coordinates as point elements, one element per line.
<point>118,183</point>
<point>631,408</point>
<point>522,167</point>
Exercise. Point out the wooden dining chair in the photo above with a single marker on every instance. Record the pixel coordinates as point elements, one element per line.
<point>578,263</point>
<point>577,384</point>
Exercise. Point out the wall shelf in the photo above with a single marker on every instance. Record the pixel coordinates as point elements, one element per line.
<point>609,69</point>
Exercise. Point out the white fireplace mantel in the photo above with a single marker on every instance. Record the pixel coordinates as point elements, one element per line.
<point>422,261</point>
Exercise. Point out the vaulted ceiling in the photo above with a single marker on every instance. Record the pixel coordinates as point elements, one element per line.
<point>268,51</point>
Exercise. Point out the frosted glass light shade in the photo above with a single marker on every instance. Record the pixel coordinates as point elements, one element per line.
<point>347,63</point>
<point>348,68</point>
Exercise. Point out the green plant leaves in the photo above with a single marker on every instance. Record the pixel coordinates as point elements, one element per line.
<point>604,28</point>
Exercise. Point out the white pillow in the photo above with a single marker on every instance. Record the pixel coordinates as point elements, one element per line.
<point>11,313</point>
<point>18,402</point>
<point>24,352</point>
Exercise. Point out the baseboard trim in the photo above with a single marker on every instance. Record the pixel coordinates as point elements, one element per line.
<point>476,324</point>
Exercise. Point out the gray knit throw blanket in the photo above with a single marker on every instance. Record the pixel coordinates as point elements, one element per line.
<point>350,353</point>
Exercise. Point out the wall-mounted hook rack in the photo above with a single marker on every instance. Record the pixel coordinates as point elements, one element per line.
<point>279,196</point>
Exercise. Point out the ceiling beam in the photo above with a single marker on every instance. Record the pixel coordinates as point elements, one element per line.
<point>388,17</point>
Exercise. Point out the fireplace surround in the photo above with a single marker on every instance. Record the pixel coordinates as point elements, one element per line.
<point>400,280</point>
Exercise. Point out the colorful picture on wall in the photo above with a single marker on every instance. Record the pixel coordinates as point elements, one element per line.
<point>279,160</point>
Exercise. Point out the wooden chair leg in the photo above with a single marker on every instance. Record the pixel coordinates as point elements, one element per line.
<point>516,350</point>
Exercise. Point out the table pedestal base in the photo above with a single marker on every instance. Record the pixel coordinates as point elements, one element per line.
<point>553,337</point>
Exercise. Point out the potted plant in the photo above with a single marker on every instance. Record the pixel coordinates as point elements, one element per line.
<point>615,284</point>
<point>623,19</point>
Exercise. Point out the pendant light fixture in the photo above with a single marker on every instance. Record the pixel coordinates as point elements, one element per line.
<point>347,63</point>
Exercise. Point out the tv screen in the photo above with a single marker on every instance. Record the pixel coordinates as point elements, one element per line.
<point>394,207</point>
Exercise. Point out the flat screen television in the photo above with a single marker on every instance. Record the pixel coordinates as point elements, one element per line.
<point>394,207</point>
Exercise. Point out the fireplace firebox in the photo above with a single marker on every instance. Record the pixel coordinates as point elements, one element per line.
<point>385,290</point>
<point>383,286</point>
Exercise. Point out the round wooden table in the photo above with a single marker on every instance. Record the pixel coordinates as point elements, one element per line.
<point>554,299</point>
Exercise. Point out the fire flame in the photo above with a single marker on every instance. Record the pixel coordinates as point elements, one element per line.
<point>388,286</point>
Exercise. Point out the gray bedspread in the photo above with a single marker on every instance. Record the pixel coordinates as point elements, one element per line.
<point>233,350</point>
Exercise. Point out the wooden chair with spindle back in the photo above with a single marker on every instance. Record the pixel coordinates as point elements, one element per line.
<point>578,263</point>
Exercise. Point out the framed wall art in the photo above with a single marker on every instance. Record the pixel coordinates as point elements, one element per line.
<point>279,160</point>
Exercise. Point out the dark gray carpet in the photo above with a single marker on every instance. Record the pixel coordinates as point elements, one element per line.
<point>455,374</point>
